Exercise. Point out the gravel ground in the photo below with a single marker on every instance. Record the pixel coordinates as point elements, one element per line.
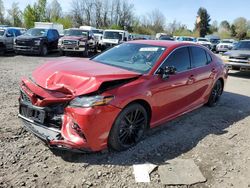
<point>217,139</point>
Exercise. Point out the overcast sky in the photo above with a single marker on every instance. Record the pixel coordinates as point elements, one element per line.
<point>184,11</point>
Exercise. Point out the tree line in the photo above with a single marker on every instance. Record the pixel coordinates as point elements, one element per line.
<point>118,14</point>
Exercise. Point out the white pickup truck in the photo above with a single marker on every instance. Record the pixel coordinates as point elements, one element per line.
<point>113,37</point>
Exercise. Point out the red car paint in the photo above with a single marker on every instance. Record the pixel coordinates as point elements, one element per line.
<point>62,81</point>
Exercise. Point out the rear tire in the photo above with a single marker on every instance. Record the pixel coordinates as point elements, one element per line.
<point>129,127</point>
<point>215,94</point>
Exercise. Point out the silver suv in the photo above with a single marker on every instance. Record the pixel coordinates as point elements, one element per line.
<point>7,36</point>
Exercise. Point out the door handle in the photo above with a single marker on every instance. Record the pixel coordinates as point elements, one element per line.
<point>214,70</point>
<point>191,79</point>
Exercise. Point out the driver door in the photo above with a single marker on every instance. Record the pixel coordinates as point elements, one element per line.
<point>174,95</point>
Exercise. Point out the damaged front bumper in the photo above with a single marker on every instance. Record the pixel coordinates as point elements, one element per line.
<point>68,128</point>
<point>50,136</point>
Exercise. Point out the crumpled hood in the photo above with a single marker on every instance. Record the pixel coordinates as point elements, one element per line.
<point>73,38</point>
<point>238,53</point>
<point>77,76</point>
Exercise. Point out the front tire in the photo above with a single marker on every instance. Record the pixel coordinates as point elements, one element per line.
<point>44,50</point>
<point>215,94</point>
<point>129,127</point>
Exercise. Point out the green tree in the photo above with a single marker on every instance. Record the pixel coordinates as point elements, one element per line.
<point>1,12</point>
<point>225,24</point>
<point>66,21</point>
<point>40,8</point>
<point>232,30</point>
<point>214,27</point>
<point>54,11</point>
<point>30,16</point>
<point>241,27</point>
<point>202,22</point>
<point>15,15</point>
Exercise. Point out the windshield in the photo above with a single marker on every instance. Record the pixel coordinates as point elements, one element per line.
<point>36,32</point>
<point>215,40</point>
<point>226,41</point>
<point>76,32</point>
<point>96,31</point>
<point>134,57</point>
<point>187,39</point>
<point>242,45</point>
<point>2,31</point>
<point>113,35</point>
<point>204,40</point>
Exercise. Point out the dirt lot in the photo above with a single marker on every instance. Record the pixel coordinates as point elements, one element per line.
<point>217,139</point>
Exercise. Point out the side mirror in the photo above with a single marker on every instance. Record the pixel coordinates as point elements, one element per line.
<point>165,72</point>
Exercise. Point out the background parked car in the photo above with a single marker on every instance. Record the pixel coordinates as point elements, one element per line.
<point>7,37</point>
<point>76,40</point>
<point>96,37</point>
<point>113,37</point>
<point>166,37</point>
<point>204,42</point>
<point>239,57</point>
<point>214,41</point>
<point>98,34</point>
<point>225,45</point>
<point>37,41</point>
<point>185,39</point>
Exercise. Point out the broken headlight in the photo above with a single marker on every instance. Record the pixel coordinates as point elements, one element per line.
<point>89,101</point>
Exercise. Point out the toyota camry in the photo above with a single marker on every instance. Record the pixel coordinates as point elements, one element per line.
<point>110,100</point>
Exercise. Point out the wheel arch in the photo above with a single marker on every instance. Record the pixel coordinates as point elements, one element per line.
<point>146,105</point>
<point>222,81</point>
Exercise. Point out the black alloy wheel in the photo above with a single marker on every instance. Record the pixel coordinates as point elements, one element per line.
<point>215,94</point>
<point>129,127</point>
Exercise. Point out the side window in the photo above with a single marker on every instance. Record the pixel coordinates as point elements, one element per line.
<point>10,33</point>
<point>50,35</point>
<point>199,57</point>
<point>56,34</point>
<point>179,59</point>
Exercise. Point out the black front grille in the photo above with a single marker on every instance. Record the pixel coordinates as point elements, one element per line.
<point>24,42</point>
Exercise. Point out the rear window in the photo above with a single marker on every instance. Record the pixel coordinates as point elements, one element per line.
<point>199,57</point>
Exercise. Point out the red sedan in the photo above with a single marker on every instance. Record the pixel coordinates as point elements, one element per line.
<point>113,98</point>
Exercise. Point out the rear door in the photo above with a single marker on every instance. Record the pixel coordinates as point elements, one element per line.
<point>174,95</point>
<point>204,72</point>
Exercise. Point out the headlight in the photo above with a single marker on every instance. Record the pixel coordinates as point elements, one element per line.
<point>37,42</point>
<point>60,42</point>
<point>225,57</point>
<point>82,43</point>
<point>89,101</point>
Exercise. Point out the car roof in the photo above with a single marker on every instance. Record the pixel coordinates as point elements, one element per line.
<point>164,43</point>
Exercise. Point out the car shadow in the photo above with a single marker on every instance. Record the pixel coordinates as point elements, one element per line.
<point>174,138</point>
<point>239,74</point>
